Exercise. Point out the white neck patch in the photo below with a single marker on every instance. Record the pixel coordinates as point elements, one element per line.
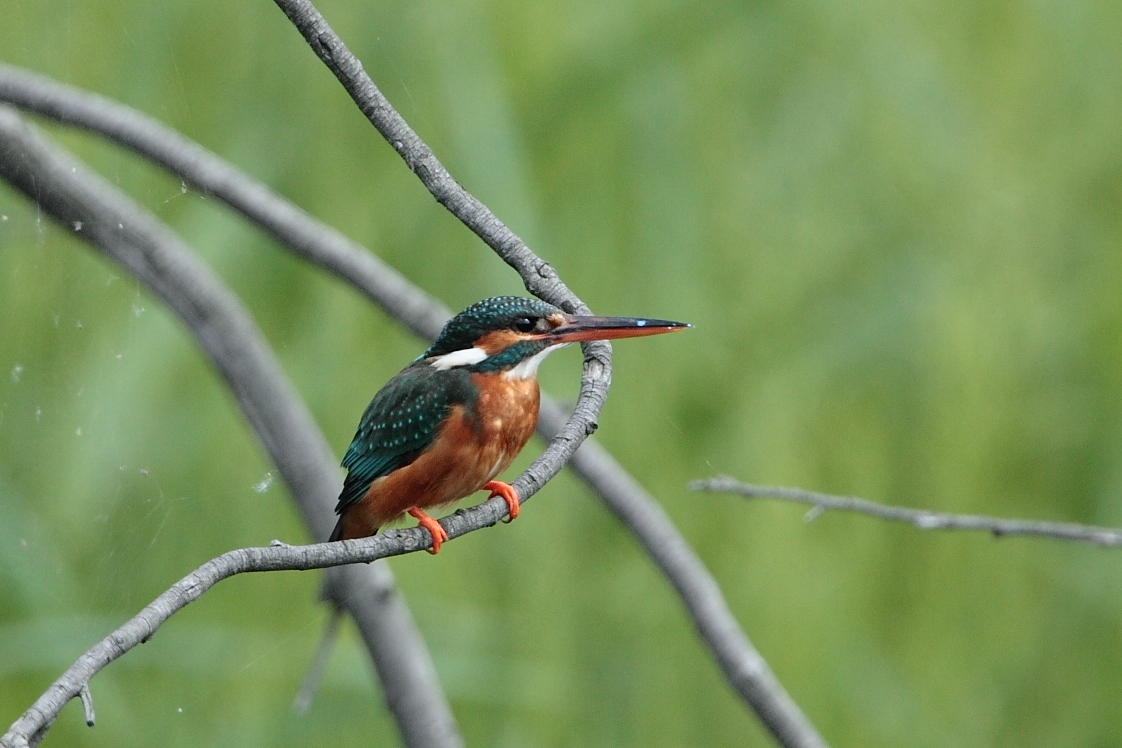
<point>465,357</point>
<point>528,368</point>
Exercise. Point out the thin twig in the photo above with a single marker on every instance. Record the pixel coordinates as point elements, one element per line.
<point>540,278</point>
<point>921,518</point>
<point>96,211</point>
<point>87,704</point>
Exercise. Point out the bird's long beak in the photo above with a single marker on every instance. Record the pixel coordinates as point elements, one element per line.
<point>576,329</point>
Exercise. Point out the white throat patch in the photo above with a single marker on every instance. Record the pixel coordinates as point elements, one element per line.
<point>528,368</point>
<point>465,357</point>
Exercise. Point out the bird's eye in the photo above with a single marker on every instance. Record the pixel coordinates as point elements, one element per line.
<point>523,324</point>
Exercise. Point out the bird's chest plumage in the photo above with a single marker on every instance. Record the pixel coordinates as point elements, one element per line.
<point>505,415</point>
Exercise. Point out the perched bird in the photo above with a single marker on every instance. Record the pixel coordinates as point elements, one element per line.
<point>458,415</point>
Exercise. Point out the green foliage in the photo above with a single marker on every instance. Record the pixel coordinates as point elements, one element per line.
<point>896,229</point>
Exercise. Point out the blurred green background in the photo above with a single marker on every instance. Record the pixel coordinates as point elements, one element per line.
<point>896,228</point>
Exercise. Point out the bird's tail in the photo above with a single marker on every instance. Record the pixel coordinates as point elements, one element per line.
<point>340,529</point>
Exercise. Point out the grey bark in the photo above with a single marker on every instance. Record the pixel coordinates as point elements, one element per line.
<point>920,518</point>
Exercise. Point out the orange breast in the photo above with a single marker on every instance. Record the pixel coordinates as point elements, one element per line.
<point>471,449</point>
<point>507,413</point>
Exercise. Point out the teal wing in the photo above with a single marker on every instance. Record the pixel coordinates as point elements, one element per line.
<point>400,424</point>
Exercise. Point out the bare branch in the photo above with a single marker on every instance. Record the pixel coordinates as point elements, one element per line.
<point>31,726</point>
<point>540,279</point>
<point>323,246</point>
<point>97,212</point>
<point>921,518</point>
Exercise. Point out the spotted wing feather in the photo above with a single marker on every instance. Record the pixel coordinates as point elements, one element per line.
<point>399,425</point>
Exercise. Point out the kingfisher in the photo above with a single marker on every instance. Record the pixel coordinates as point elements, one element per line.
<point>456,417</point>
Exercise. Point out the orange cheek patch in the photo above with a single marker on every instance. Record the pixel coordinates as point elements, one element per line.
<point>498,341</point>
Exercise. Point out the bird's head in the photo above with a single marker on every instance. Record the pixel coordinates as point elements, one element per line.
<point>512,335</point>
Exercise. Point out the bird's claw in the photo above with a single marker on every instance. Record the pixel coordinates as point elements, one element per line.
<point>508,494</point>
<point>439,534</point>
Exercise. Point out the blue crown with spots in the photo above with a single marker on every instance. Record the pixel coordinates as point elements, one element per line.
<point>495,313</point>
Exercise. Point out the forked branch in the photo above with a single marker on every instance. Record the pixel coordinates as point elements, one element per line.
<point>745,669</point>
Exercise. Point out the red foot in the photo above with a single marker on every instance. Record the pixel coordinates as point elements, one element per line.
<point>438,533</point>
<point>510,496</point>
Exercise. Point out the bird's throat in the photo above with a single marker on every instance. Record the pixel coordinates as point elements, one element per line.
<point>527,368</point>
